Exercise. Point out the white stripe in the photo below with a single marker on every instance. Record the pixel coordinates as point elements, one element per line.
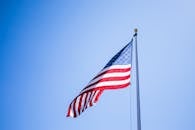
<point>71,110</point>
<point>108,83</point>
<point>115,67</point>
<point>109,75</point>
<point>88,104</point>
<point>87,99</point>
<point>83,101</point>
<point>77,105</point>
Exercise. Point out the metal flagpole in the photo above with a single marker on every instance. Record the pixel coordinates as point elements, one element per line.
<point>137,83</point>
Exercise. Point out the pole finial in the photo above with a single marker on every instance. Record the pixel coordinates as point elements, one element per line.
<point>135,30</point>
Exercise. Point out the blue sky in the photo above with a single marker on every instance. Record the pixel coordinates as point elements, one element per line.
<point>50,50</point>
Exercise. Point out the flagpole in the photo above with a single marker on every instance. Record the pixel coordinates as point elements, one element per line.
<point>137,83</point>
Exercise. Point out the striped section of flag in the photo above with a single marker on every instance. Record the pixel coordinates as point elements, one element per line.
<point>115,75</point>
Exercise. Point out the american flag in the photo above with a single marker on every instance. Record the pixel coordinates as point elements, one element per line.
<point>115,75</point>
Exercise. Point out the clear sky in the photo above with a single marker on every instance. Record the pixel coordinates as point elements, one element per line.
<point>50,50</point>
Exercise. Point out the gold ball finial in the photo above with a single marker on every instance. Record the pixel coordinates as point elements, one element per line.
<point>135,30</point>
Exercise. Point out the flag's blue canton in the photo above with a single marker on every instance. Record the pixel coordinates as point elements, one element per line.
<point>123,57</point>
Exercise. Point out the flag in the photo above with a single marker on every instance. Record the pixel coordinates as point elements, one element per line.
<point>115,75</point>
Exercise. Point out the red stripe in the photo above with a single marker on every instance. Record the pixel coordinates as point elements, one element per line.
<point>68,114</point>
<point>113,71</point>
<point>97,96</point>
<point>74,111</point>
<point>108,79</point>
<point>109,87</point>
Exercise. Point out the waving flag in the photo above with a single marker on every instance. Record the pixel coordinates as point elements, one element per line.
<point>115,75</point>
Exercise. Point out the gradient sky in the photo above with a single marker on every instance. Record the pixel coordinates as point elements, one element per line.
<point>50,50</point>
